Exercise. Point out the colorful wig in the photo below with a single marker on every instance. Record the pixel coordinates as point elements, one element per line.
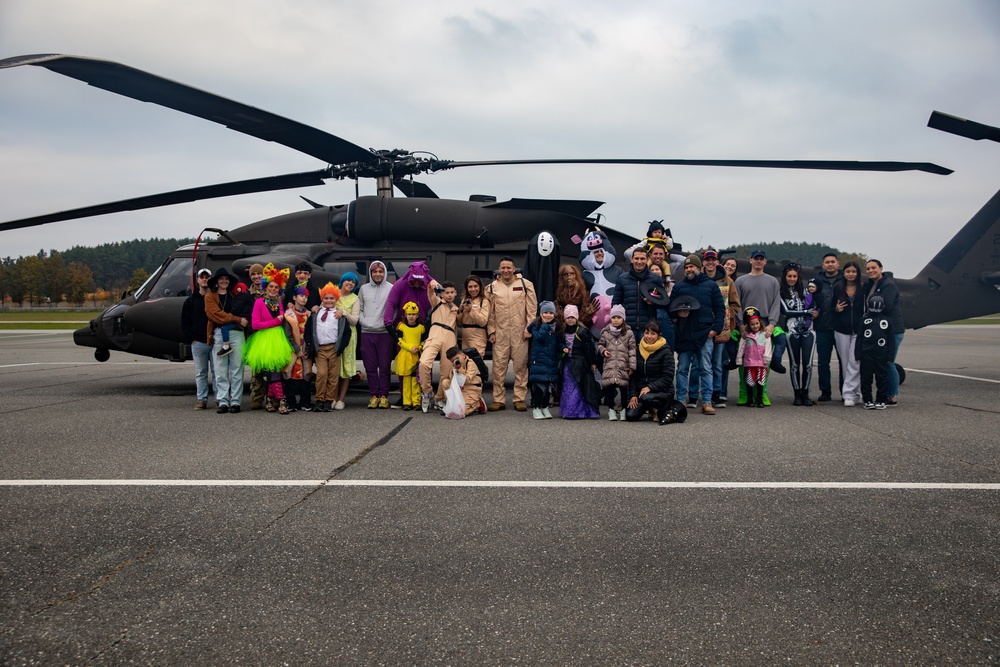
<point>329,288</point>
<point>273,275</point>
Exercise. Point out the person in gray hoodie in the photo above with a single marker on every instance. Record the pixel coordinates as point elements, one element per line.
<point>377,344</point>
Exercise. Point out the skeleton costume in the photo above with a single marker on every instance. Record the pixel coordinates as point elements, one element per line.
<point>796,311</point>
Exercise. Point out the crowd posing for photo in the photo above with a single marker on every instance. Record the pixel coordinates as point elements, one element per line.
<point>633,342</point>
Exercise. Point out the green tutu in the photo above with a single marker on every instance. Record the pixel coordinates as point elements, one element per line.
<point>268,350</point>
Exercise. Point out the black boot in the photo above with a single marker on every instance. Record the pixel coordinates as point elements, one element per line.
<point>805,398</point>
<point>798,398</point>
<point>760,396</point>
<point>751,396</point>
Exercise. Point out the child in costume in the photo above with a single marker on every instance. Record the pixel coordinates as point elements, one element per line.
<point>543,359</point>
<point>325,333</point>
<point>297,384</point>
<point>410,335</point>
<point>618,348</point>
<point>581,393</point>
<point>875,349</point>
<point>465,371</point>
<point>754,354</point>
<point>268,350</point>
<point>441,337</point>
<point>349,308</point>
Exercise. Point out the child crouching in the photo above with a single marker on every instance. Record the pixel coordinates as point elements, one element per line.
<point>466,373</point>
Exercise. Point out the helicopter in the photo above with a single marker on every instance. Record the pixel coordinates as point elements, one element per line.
<point>455,238</point>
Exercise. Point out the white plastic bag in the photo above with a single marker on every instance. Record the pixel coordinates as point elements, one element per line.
<point>454,406</point>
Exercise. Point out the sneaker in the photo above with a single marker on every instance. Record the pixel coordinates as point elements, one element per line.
<point>373,403</point>
<point>234,409</point>
<point>848,402</point>
<point>546,413</point>
<point>520,406</point>
<point>692,402</point>
<point>224,351</point>
<point>482,407</point>
<point>825,398</point>
<point>306,407</point>
<point>339,405</point>
<point>707,409</point>
<point>223,409</point>
<point>612,415</point>
<point>621,414</point>
<point>496,407</point>
<point>536,413</point>
<point>200,405</point>
<point>383,402</point>
<point>425,402</point>
<point>880,406</point>
<point>439,403</point>
<point>717,401</point>
<point>723,399</point>
<point>891,403</point>
<point>869,405</point>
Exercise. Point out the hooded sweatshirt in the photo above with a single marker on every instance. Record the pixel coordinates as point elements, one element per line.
<point>373,301</point>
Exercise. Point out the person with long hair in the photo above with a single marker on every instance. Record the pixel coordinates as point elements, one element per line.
<point>797,314</point>
<point>849,306</point>
<point>881,283</point>
<point>572,291</point>
<point>474,314</point>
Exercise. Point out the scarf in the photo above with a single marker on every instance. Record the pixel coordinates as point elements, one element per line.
<point>646,350</point>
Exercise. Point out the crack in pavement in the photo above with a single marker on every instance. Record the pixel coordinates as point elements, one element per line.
<point>100,583</point>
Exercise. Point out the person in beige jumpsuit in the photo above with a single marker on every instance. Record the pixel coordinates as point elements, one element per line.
<point>513,305</point>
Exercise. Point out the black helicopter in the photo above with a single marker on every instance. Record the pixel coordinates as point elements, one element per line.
<point>455,238</point>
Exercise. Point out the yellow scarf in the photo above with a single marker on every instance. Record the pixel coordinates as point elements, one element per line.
<point>646,350</point>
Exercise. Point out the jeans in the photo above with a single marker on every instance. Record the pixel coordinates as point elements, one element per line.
<point>699,364</point>
<point>825,341</point>
<point>204,363</point>
<point>718,360</point>
<point>229,375</point>
<point>893,373</point>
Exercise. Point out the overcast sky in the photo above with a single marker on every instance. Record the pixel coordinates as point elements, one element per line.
<point>472,80</point>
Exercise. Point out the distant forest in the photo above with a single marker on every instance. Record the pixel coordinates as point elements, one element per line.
<point>83,274</point>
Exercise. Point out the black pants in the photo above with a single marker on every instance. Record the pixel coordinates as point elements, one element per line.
<point>541,394</point>
<point>609,396</point>
<point>800,359</point>
<point>297,393</point>
<point>877,365</point>
<point>824,355</point>
<point>647,402</point>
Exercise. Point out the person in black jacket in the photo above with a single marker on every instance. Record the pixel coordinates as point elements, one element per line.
<point>652,383</point>
<point>194,325</point>
<point>848,307</point>
<point>883,285</point>
<point>824,326</point>
<point>874,350</point>
<point>628,291</point>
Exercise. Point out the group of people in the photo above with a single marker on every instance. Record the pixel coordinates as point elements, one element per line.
<point>634,341</point>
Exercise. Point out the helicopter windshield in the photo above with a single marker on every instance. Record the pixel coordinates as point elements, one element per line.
<point>171,279</point>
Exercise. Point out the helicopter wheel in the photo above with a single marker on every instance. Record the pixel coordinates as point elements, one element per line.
<point>902,373</point>
<point>102,355</point>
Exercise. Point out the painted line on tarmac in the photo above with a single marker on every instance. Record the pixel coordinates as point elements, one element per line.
<point>87,363</point>
<point>951,375</point>
<point>490,484</point>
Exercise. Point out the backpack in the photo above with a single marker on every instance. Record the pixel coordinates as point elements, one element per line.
<point>484,372</point>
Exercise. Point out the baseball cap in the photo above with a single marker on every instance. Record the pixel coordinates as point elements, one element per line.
<point>758,253</point>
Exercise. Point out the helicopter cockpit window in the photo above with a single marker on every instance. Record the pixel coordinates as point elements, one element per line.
<point>172,279</point>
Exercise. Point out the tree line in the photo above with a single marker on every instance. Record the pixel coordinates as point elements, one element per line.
<point>82,273</point>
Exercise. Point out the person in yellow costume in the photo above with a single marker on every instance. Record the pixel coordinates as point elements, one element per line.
<point>410,334</point>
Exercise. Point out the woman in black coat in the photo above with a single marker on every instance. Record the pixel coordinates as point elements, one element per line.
<point>652,383</point>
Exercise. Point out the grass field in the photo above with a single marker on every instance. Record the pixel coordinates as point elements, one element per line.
<point>45,319</point>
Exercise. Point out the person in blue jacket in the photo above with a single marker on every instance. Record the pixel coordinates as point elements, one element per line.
<point>543,359</point>
<point>698,341</point>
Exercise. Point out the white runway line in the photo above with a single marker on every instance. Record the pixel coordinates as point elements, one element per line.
<point>87,363</point>
<point>950,375</point>
<point>489,484</point>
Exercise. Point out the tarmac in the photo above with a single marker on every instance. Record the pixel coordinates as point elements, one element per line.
<point>135,530</point>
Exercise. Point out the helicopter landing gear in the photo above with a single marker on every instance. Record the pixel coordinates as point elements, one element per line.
<point>102,355</point>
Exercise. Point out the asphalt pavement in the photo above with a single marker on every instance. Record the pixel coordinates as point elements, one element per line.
<point>135,530</point>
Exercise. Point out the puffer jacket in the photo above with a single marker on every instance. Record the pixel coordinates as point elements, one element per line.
<point>711,315</point>
<point>627,293</point>
<point>543,361</point>
<point>888,290</point>
<point>657,372</point>
<point>623,353</point>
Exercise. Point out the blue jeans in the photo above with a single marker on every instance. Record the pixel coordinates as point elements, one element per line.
<point>204,362</point>
<point>699,364</point>
<point>229,375</point>
<point>893,373</point>
<point>718,359</point>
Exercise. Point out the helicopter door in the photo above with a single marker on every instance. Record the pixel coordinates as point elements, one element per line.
<point>172,279</point>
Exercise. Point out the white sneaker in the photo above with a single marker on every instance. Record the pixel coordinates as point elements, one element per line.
<point>849,403</point>
<point>425,402</point>
<point>537,413</point>
<point>546,413</point>
<point>612,415</point>
<point>621,414</point>
<point>339,405</point>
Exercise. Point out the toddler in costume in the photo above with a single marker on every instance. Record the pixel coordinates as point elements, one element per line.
<point>410,336</point>
<point>754,354</point>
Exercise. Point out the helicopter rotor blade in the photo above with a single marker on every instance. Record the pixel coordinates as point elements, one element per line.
<point>835,165</point>
<point>267,184</point>
<point>963,127</point>
<point>145,87</point>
